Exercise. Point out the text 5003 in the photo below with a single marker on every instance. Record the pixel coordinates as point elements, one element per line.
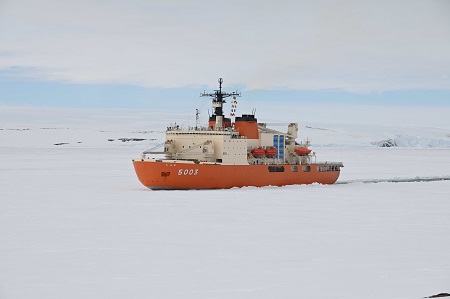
<point>188,172</point>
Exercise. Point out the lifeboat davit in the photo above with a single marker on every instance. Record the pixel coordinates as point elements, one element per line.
<point>258,152</point>
<point>271,152</point>
<point>302,151</point>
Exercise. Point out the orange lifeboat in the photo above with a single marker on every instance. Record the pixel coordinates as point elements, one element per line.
<point>302,151</point>
<point>258,152</point>
<point>271,152</point>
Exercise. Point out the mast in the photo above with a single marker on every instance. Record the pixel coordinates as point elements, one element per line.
<point>218,99</point>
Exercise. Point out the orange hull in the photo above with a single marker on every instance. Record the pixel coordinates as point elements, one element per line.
<point>180,175</point>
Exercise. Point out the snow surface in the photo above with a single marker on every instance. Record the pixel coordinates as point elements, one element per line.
<point>76,223</point>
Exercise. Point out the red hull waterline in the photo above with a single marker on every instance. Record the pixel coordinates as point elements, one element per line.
<point>160,174</point>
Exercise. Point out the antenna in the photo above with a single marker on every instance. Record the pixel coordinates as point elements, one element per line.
<point>218,98</point>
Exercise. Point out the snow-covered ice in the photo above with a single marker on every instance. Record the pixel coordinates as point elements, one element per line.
<point>76,223</point>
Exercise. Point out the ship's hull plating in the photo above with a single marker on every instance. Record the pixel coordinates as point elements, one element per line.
<point>175,175</point>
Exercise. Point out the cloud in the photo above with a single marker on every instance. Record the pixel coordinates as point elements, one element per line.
<point>348,45</point>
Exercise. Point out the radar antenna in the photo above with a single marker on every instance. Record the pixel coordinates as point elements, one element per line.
<point>218,98</point>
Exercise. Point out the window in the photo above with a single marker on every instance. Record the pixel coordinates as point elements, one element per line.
<point>306,168</point>
<point>294,168</point>
<point>276,168</point>
<point>323,168</point>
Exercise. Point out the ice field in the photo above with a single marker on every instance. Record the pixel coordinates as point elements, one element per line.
<point>76,223</point>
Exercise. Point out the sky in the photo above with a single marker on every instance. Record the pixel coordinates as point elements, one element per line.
<point>154,54</point>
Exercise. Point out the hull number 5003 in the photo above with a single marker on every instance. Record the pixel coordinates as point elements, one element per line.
<point>188,172</point>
